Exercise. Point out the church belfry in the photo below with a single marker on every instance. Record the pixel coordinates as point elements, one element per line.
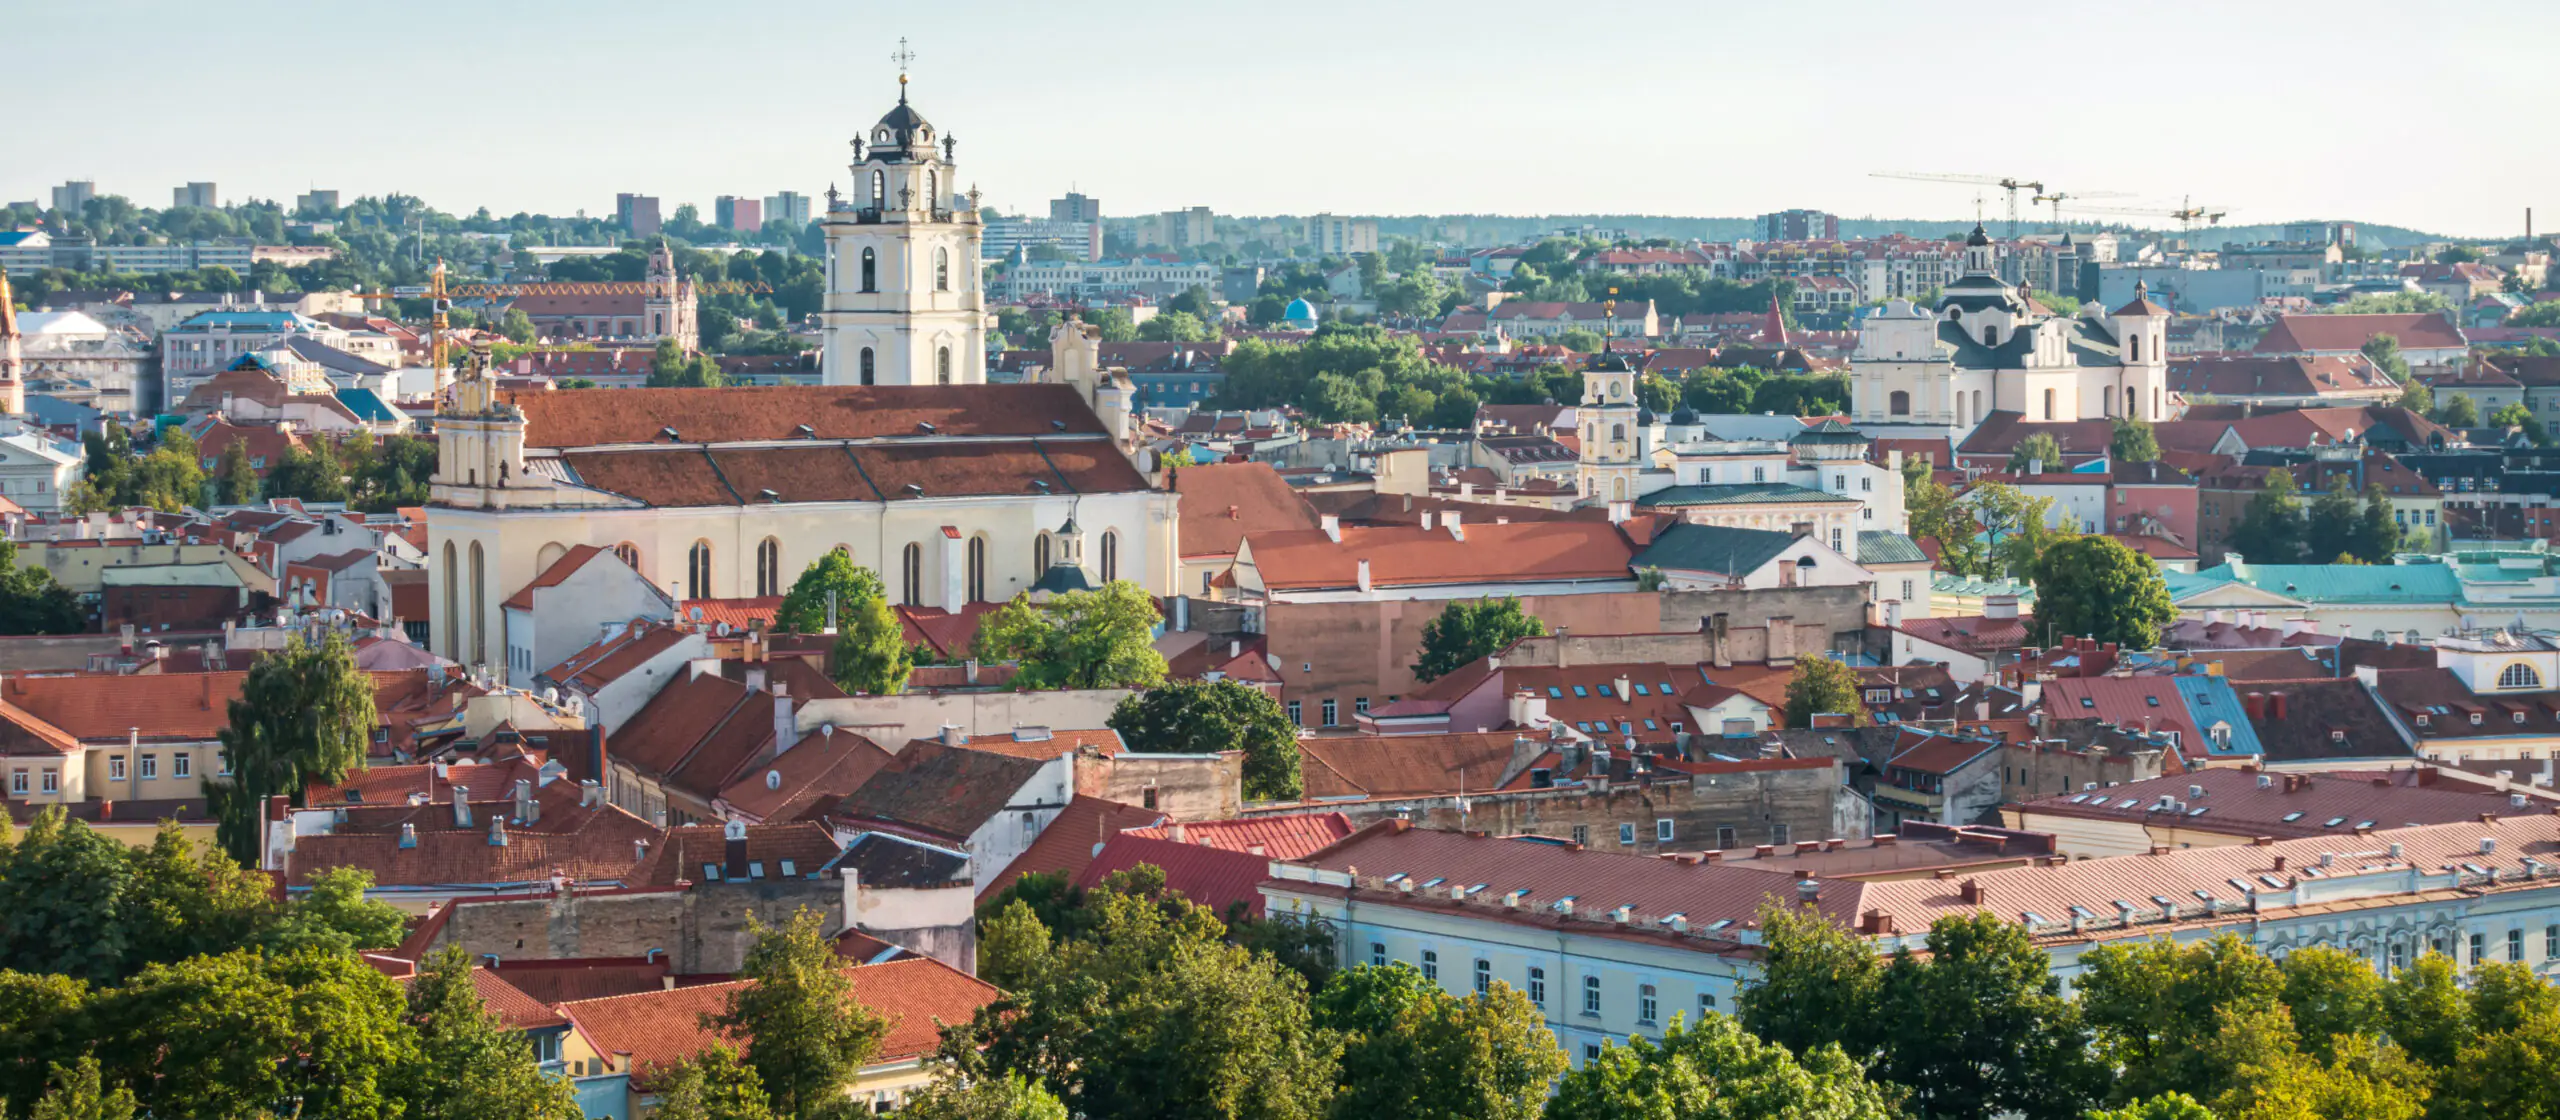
<point>904,304</point>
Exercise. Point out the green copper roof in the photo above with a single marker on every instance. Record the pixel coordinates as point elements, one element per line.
<point>2332,583</point>
<point>1739,493</point>
<point>1880,547</point>
<point>1713,548</point>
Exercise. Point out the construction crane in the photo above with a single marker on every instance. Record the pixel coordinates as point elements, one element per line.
<point>441,295</point>
<point>2187,213</point>
<point>2056,200</point>
<point>2009,183</point>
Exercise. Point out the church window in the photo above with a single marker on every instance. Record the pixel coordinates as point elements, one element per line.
<point>479,606</point>
<point>978,569</point>
<point>879,190</point>
<point>2133,348</point>
<point>1990,335</point>
<point>657,323</point>
<point>1110,556</point>
<point>1039,556</point>
<point>1898,403</point>
<point>932,190</point>
<point>697,571</point>
<point>2520,675</point>
<point>1618,432</point>
<point>629,554</point>
<point>911,576</point>
<point>867,359</point>
<point>769,567</point>
<point>941,270</point>
<point>2133,402</point>
<point>870,271</point>
<point>452,602</point>
<point>942,366</point>
<point>2048,404</point>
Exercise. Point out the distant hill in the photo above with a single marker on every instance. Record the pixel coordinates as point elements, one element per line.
<point>1499,228</point>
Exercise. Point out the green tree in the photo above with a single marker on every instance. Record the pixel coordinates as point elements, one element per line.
<point>2156,1009</point>
<point>2516,416</point>
<point>236,481</point>
<point>2037,452</point>
<point>1009,1097</point>
<point>2276,1081</point>
<point>2457,411</point>
<point>2133,441</point>
<point>469,1064</point>
<point>1206,717</point>
<point>63,889</point>
<point>1581,341</point>
<point>2425,1011</point>
<point>2166,1106</point>
<point>2330,526</point>
<point>2270,530</point>
<point>1819,984</point>
<point>1468,629</point>
<point>2384,352</point>
<point>1823,686</point>
<point>32,603</point>
<point>236,1034</point>
<point>805,1031</point>
<point>2097,588</point>
<point>2377,533</point>
<point>1175,326</point>
<point>1078,639</point>
<point>1979,1025</point>
<point>832,577</point>
<point>715,1084</point>
<point>334,914</point>
<point>78,1095</point>
<point>1937,514</point>
<point>183,901</point>
<point>871,655</point>
<point>517,327</point>
<point>2504,1074</point>
<point>305,714</point>
<point>1013,944</point>
<point>2332,994</point>
<point>2016,528</point>
<point>1714,1070</point>
<point>670,367</point>
<point>1412,1050</point>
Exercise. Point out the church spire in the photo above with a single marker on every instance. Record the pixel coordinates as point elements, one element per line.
<point>902,56</point>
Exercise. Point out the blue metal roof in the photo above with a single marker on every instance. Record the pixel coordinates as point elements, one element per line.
<point>368,406</point>
<point>2210,701</point>
<point>2331,583</point>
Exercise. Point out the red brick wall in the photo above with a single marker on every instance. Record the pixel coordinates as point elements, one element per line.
<point>178,608</point>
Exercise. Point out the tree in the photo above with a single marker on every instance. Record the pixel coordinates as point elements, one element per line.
<point>305,714</point>
<point>2270,530</point>
<point>63,890</point>
<point>2425,1012</point>
<point>32,603</point>
<point>1818,985</point>
<point>2329,528</point>
<point>1937,514</point>
<point>77,1095</point>
<point>2505,1074</point>
<point>469,1064</point>
<point>517,327</point>
<point>2096,587</point>
<point>830,579</point>
<point>1581,341</point>
<point>2377,534</point>
<point>1013,944</point>
<point>1078,639</point>
<point>1715,1070</point>
<point>2133,441</point>
<point>2384,352</point>
<point>1979,1026</point>
<point>1009,1097</point>
<point>2457,411</point>
<point>1175,326</point>
<point>2516,416</point>
<point>236,481</point>
<point>2156,1010</point>
<point>1205,717</point>
<point>805,1031</point>
<point>2166,1106</point>
<point>1468,629</point>
<point>872,656</point>
<point>334,914</point>
<point>182,901</point>
<point>670,367</point>
<point>2036,452</point>
<point>235,1034</point>
<point>1411,1049</point>
<point>715,1084</point>
<point>2016,528</point>
<point>1823,686</point>
<point>2333,995</point>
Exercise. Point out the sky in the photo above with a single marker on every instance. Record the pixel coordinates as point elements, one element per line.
<point>2392,113</point>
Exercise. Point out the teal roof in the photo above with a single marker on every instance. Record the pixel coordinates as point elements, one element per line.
<point>1876,546</point>
<point>1830,432</point>
<point>1299,309</point>
<point>1973,587</point>
<point>1713,548</point>
<point>2332,583</point>
<point>2211,700</point>
<point>368,406</point>
<point>1738,493</point>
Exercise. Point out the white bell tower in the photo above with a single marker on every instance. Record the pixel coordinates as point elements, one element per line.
<point>904,304</point>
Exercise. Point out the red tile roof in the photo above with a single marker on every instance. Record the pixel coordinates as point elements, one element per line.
<point>2288,805</point>
<point>1413,556</point>
<point>512,1005</point>
<point>2297,334</point>
<point>820,769</point>
<point>2149,703</point>
<point>1045,743</point>
<point>1221,502</point>
<point>683,853</point>
<point>635,416</point>
<point>916,995</point>
<point>1394,766</point>
<point>1213,877</point>
<point>937,791</point>
<point>608,659</point>
<point>1279,835</point>
<point>188,706</point>
<point>557,981</point>
<point>600,850</point>
<point>559,572</point>
<point>1070,841</point>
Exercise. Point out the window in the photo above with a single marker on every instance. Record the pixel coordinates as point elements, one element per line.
<point>978,569</point>
<point>941,270</point>
<point>1898,403</point>
<point>1111,558</point>
<point>1538,987</point>
<point>1724,838</point>
<point>1030,827</point>
<point>697,571</point>
<point>1759,474</point>
<point>1906,591</point>
<point>1836,543</point>
<point>942,365</point>
<point>1706,1003</point>
<point>879,196</point>
<point>768,567</point>
<point>1778,833</point>
<point>1431,965</point>
<point>870,374</point>
<point>870,270</point>
<point>629,554</point>
<point>2479,948</point>
<point>1839,481</point>
<point>1591,1051</point>
<point>1040,556</point>
<point>1647,1006</point>
<point>1484,976</point>
<point>1329,712</point>
<point>2515,942</point>
<point>1582,839</point>
<point>1626,834</point>
<point>2398,957</point>
<point>1662,830</point>
<point>1360,705</point>
<point>115,768</point>
<point>1294,721</point>
<point>150,767</point>
<point>2550,941</point>
<point>1867,483</point>
<point>1990,335</point>
<point>18,786</point>
<point>2048,404</point>
<point>182,765</point>
<point>52,781</point>
<point>1590,995</point>
<point>1378,954</point>
<point>2520,675</point>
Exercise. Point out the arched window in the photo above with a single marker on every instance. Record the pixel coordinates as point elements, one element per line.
<point>942,366</point>
<point>1990,335</point>
<point>978,569</point>
<point>479,606</point>
<point>769,567</point>
<point>932,191</point>
<point>870,271</point>
<point>1618,432</point>
<point>941,270</point>
<point>697,571</point>
<point>2520,675</point>
<point>867,369</point>
<point>1110,556</point>
<point>629,554</point>
<point>1039,556</point>
<point>911,577</point>
<point>1898,403</point>
<point>452,603</point>
<point>657,322</point>
<point>2133,348</point>
<point>2048,404</point>
<point>2132,401</point>
<point>879,190</point>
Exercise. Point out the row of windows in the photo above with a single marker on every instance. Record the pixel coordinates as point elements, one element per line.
<point>770,579</point>
<point>182,764</point>
<point>1594,1001</point>
<point>941,270</point>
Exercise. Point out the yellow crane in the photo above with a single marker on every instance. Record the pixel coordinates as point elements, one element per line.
<point>2057,197</point>
<point>2009,183</point>
<point>441,295</point>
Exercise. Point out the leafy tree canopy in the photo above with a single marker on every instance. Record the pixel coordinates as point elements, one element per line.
<point>1206,717</point>
<point>1468,629</point>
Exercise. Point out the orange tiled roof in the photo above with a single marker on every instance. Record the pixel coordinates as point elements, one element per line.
<point>657,1028</point>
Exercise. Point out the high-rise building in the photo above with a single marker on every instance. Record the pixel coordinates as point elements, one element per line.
<point>1073,241</point>
<point>791,208</point>
<point>73,195</point>
<point>317,200</point>
<point>1796,225</point>
<point>905,304</point>
<point>637,213</point>
<point>745,215</point>
<point>1334,236</point>
<point>200,195</point>
<point>1075,208</point>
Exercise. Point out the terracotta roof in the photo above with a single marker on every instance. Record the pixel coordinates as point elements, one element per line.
<point>600,850</point>
<point>1221,502</point>
<point>2151,703</point>
<point>2295,334</point>
<point>692,852</point>
<point>698,733</point>
<point>515,1007</point>
<point>1043,743</point>
<point>1279,835</point>
<point>557,981</point>
<point>740,614</point>
<point>1397,766</point>
<point>2436,704</point>
<point>1971,633</point>
<point>1070,842</point>
<point>657,1028</point>
<point>393,785</point>
<point>947,634</point>
<point>609,659</point>
<point>945,792</point>
<point>820,768</point>
<point>559,572</point>
<point>1413,556</point>
<point>2325,719</point>
<point>174,706</point>
<point>693,476</point>
<point>1217,878</point>
<point>2242,802</point>
<point>776,412</point>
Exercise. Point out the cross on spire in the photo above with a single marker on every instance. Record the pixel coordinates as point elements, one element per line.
<point>902,56</point>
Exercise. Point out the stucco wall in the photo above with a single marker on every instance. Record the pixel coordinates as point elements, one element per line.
<point>702,929</point>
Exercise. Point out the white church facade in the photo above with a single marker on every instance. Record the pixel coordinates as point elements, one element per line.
<point>904,305</point>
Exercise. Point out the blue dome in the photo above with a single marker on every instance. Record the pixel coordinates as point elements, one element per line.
<point>1299,309</point>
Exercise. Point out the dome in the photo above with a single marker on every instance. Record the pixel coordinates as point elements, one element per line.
<point>1644,416</point>
<point>904,118</point>
<point>1975,239</point>
<point>1684,415</point>
<point>1300,309</point>
<point>1609,361</point>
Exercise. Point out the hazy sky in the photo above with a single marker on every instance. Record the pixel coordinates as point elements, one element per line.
<point>2385,112</point>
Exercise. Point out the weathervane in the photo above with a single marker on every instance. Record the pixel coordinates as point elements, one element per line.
<point>902,56</point>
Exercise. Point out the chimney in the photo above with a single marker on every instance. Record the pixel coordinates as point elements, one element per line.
<point>951,736</point>
<point>1332,527</point>
<point>786,730</point>
<point>462,806</point>
<point>1808,891</point>
<point>734,838</point>
<point>1364,575</point>
<point>528,810</point>
<point>1457,531</point>
<point>408,836</point>
<point>2275,706</point>
<point>497,832</point>
<point>1973,893</point>
<point>1625,695</point>
<point>590,793</point>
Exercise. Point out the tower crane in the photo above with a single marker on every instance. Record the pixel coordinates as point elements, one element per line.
<point>2187,213</point>
<point>2057,197</point>
<point>2009,183</point>
<point>440,296</point>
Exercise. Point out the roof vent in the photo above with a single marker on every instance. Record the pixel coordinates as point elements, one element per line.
<point>773,779</point>
<point>925,427</point>
<point>1060,425</point>
<point>2488,845</point>
<point>915,489</point>
<point>670,433</point>
<point>804,431</point>
<point>769,494</point>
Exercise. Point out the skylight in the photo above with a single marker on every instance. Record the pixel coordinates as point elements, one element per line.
<point>2293,816</point>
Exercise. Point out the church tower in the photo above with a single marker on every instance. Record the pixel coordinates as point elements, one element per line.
<point>670,306</point>
<point>2142,337</point>
<point>904,304</point>
<point>1607,417</point>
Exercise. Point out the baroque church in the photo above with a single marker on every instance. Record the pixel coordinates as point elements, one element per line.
<point>953,490</point>
<point>1988,347</point>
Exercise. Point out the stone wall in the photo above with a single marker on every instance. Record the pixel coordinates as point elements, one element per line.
<point>700,929</point>
<point>1754,800</point>
<point>1185,787</point>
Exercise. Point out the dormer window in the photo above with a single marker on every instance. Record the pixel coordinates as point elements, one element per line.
<point>1990,335</point>
<point>2475,719</point>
